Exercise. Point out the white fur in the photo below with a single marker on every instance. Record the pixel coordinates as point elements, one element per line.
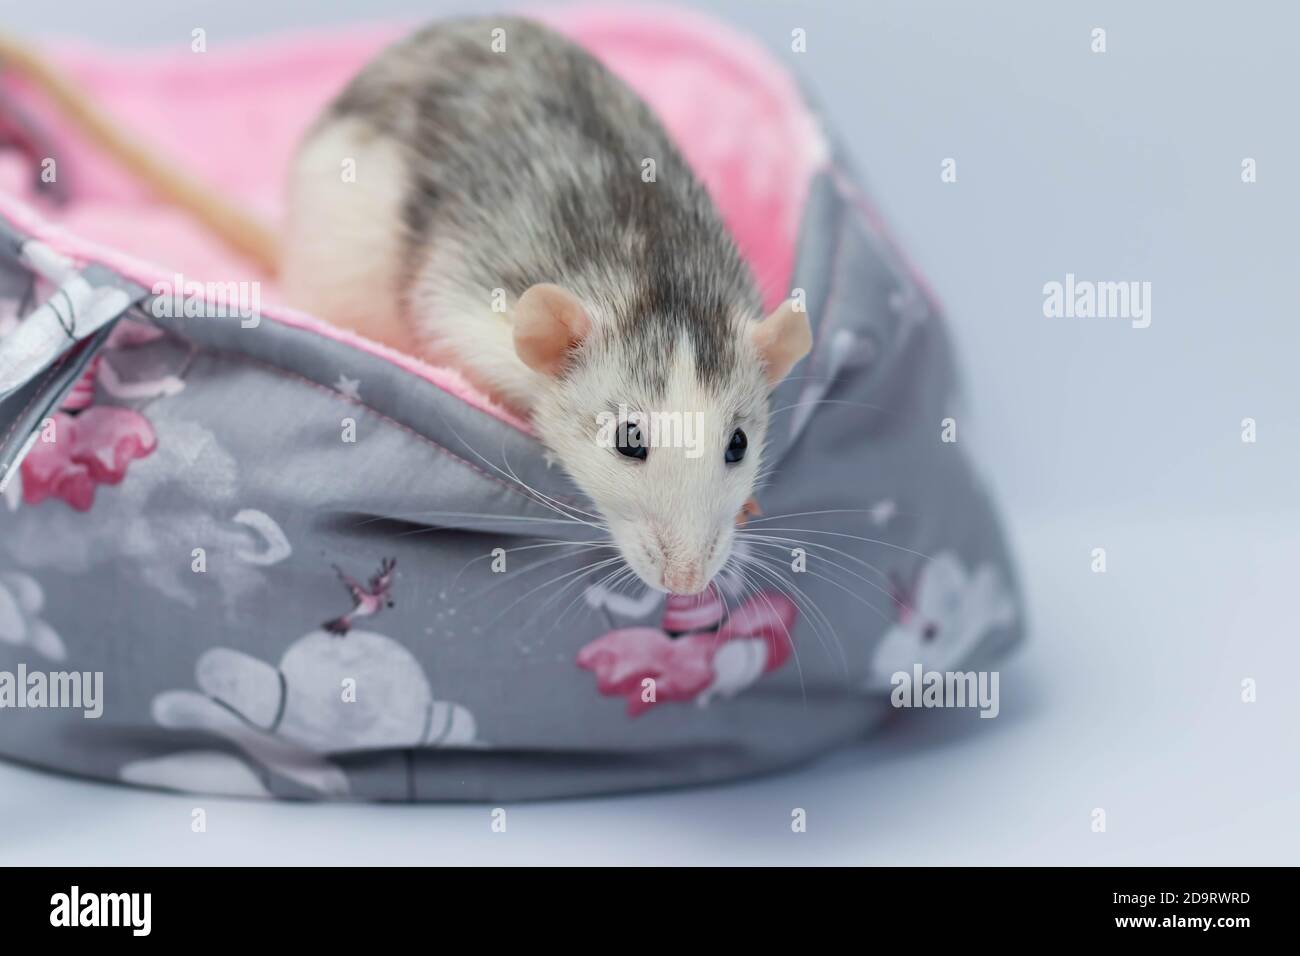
<point>342,249</point>
<point>671,515</point>
<point>462,329</point>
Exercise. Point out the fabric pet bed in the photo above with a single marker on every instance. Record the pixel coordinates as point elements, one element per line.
<point>308,566</point>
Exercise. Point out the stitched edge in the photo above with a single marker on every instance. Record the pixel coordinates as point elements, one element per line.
<point>296,376</point>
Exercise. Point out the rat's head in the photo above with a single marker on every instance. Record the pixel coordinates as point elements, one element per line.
<point>660,421</point>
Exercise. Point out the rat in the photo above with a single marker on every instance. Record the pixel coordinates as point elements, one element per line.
<point>477,196</point>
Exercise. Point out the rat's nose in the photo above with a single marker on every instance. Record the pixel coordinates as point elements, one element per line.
<point>684,578</point>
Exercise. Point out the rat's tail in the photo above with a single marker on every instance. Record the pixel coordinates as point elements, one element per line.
<point>242,232</point>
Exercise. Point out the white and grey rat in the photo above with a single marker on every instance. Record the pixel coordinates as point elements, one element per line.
<point>497,220</point>
<point>475,196</point>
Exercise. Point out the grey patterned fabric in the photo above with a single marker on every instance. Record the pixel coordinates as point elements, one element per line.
<point>179,535</point>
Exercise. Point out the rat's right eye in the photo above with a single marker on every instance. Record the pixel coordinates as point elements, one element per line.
<point>630,442</point>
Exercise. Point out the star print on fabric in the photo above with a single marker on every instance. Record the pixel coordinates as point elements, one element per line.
<point>351,387</point>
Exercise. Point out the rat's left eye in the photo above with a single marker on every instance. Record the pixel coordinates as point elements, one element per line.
<point>631,444</point>
<point>736,447</point>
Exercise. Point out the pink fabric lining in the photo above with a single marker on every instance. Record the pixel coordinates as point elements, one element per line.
<point>235,114</point>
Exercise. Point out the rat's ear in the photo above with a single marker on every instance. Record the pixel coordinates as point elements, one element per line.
<point>549,323</point>
<point>782,339</point>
